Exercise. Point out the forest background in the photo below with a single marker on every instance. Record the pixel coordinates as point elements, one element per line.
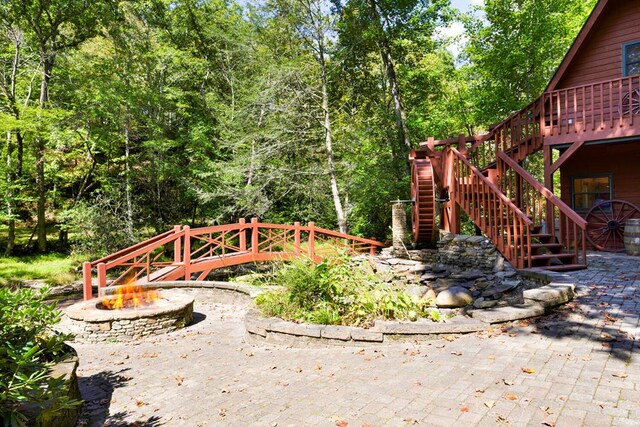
<point>122,118</point>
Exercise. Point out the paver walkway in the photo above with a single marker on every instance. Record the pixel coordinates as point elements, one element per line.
<point>579,366</point>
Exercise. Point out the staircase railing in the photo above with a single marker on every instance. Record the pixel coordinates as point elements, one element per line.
<point>518,136</point>
<point>497,216</point>
<point>182,252</point>
<point>541,206</point>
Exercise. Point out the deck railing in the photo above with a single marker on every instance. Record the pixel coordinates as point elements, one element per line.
<point>612,106</point>
<point>541,206</point>
<point>183,252</point>
<point>498,218</point>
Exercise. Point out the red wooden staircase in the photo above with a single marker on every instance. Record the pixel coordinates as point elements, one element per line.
<point>528,224</point>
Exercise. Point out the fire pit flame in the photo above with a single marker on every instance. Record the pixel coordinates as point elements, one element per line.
<point>130,296</point>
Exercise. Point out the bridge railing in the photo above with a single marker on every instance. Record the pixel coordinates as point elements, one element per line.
<point>183,252</point>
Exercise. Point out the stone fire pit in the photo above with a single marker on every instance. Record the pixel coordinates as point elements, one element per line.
<point>90,322</point>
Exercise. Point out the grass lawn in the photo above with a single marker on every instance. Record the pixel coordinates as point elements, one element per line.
<point>53,269</point>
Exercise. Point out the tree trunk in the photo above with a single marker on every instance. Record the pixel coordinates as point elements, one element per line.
<point>342,220</point>
<point>11,234</point>
<point>127,178</point>
<point>390,71</point>
<point>40,148</point>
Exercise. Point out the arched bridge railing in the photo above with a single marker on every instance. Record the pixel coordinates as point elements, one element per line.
<point>184,253</point>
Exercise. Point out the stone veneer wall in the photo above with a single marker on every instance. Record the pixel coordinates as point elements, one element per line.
<point>469,252</point>
<point>131,329</point>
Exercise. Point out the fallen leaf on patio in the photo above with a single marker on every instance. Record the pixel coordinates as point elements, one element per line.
<point>222,412</point>
<point>224,391</point>
<point>490,403</point>
<point>342,423</point>
<point>150,355</point>
<point>491,357</point>
<point>510,396</point>
<point>606,336</point>
<point>507,382</point>
<point>250,354</point>
<point>179,379</point>
<point>184,356</point>
<point>545,409</point>
<point>298,370</point>
<point>418,383</point>
<point>456,353</point>
<point>549,424</point>
<point>317,368</point>
<point>609,318</point>
<point>528,371</point>
<point>282,383</point>
<point>118,363</point>
<point>140,403</point>
<point>273,367</point>
<point>620,374</point>
<point>465,409</point>
<point>410,421</point>
<point>361,351</point>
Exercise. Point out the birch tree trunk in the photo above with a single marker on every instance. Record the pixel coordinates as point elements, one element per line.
<point>328,139</point>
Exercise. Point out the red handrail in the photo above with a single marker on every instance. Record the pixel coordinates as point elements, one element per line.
<point>204,249</point>
<point>497,216</point>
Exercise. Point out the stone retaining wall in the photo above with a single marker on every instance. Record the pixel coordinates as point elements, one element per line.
<point>469,252</point>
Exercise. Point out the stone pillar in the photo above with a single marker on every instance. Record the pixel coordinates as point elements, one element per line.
<point>399,226</point>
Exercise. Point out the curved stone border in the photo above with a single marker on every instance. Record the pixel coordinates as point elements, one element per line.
<point>67,417</point>
<point>242,288</point>
<point>558,289</point>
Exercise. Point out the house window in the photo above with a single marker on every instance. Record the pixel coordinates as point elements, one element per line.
<point>590,190</point>
<point>631,59</point>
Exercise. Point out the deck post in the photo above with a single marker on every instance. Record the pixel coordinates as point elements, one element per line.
<point>102,278</point>
<point>186,258</point>
<point>177,248</point>
<point>462,143</point>
<point>296,236</point>
<point>255,245</point>
<point>312,239</point>
<point>86,280</point>
<point>243,235</point>
<point>548,183</point>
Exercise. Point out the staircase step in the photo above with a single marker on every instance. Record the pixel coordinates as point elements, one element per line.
<point>550,256</point>
<point>566,267</point>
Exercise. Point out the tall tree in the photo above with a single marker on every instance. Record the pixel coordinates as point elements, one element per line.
<point>53,27</point>
<point>515,49</point>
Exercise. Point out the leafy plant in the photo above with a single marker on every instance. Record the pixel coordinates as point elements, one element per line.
<point>339,291</point>
<point>28,348</point>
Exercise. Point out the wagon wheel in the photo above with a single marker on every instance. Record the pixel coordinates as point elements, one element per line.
<point>606,221</point>
<point>423,209</point>
<point>631,102</point>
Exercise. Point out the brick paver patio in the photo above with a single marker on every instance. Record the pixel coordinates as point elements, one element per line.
<point>576,367</point>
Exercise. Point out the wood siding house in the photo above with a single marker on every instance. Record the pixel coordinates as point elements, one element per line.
<point>586,123</point>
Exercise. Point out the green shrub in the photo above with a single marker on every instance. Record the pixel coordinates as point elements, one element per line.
<point>338,291</point>
<point>28,348</point>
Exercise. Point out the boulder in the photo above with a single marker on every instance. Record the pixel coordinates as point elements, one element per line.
<point>454,297</point>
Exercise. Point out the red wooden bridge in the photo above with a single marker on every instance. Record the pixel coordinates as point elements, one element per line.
<point>188,254</point>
